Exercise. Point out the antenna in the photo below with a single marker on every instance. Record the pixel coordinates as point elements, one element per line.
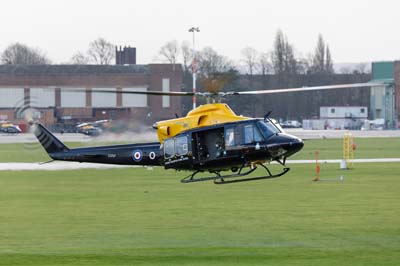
<point>194,67</point>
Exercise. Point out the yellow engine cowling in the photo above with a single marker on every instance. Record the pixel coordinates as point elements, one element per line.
<point>204,115</point>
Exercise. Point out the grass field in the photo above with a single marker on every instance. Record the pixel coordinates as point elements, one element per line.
<point>146,217</point>
<point>142,217</point>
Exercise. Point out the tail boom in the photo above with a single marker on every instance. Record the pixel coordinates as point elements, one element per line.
<point>131,154</point>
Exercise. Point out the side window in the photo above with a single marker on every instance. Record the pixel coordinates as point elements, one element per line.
<point>248,134</point>
<point>229,137</point>
<point>169,149</point>
<point>251,134</point>
<point>257,134</point>
<point>181,145</point>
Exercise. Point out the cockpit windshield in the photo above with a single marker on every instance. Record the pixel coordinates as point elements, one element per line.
<point>267,128</point>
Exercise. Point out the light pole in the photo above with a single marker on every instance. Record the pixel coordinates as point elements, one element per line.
<point>194,70</point>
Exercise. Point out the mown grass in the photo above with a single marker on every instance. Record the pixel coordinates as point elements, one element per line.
<point>142,217</point>
<point>365,148</point>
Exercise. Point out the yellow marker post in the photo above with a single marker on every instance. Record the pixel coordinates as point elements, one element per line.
<point>348,150</point>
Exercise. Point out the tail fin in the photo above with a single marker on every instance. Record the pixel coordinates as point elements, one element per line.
<point>49,142</point>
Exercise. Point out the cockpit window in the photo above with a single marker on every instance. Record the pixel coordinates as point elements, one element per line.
<point>267,128</point>
<point>251,134</point>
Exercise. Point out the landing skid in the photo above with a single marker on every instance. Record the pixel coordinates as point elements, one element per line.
<point>220,179</point>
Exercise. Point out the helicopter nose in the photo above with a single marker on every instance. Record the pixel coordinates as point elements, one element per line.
<point>295,145</point>
<point>285,145</point>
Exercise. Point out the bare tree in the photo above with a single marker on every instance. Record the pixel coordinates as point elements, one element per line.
<point>283,59</point>
<point>318,60</point>
<point>101,51</point>
<point>170,51</point>
<point>277,55</point>
<point>361,68</point>
<point>250,58</point>
<point>80,58</point>
<point>303,66</point>
<point>21,54</point>
<point>186,55</point>
<point>321,61</point>
<point>215,70</point>
<point>328,62</point>
<point>265,63</point>
<point>345,70</point>
<point>211,62</point>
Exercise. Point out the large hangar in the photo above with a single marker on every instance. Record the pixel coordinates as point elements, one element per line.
<point>66,93</point>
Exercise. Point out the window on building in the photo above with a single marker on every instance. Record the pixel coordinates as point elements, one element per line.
<point>11,97</point>
<point>165,88</point>
<point>104,99</point>
<point>73,97</point>
<point>134,100</point>
<point>42,97</point>
<point>332,110</point>
<point>362,110</point>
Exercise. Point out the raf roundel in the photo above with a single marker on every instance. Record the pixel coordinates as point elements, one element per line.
<point>137,155</point>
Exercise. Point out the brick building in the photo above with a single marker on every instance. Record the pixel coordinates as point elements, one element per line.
<point>67,93</point>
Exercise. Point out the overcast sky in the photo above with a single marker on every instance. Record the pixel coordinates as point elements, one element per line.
<point>356,30</point>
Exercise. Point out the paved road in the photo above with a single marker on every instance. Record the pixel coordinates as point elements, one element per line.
<point>74,165</point>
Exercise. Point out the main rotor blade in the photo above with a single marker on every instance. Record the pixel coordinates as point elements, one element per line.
<point>229,93</point>
<point>314,88</point>
<point>160,93</point>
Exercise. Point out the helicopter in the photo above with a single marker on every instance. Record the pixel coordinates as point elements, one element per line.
<point>91,128</point>
<point>8,127</point>
<point>210,138</point>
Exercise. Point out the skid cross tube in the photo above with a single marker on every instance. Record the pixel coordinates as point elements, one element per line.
<point>220,179</point>
<point>269,176</point>
<point>191,179</point>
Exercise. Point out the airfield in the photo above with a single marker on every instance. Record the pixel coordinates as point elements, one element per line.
<point>145,216</point>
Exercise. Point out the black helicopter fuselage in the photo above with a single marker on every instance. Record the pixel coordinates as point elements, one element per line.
<point>220,147</point>
<point>229,146</point>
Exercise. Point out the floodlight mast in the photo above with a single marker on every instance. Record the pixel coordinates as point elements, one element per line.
<point>194,66</point>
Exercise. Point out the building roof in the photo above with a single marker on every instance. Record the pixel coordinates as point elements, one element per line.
<point>72,69</point>
<point>383,70</point>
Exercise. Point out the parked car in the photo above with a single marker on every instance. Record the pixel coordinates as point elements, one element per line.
<point>291,124</point>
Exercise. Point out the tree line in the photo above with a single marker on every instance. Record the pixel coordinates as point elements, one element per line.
<point>282,59</point>
<point>100,51</point>
<point>279,67</point>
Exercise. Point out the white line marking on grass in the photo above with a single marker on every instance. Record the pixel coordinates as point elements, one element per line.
<point>54,166</point>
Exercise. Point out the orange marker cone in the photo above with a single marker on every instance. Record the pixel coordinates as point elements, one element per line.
<point>317,167</point>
